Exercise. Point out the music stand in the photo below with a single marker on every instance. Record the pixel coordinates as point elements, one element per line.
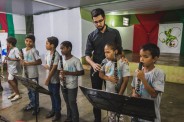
<point>33,86</point>
<point>131,106</point>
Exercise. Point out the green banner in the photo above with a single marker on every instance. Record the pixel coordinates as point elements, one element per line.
<point>11,31</point>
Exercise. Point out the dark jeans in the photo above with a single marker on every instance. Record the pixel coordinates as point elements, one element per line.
<point>33,95</point>
<point>70,97</point>
<point>97,83</point>
<point>55,97</point>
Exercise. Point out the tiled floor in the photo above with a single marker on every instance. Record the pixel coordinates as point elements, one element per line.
<point>171,107</point>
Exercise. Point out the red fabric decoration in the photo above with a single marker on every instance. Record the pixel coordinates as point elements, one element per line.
<point>3,22</point>
<point>140,38</point>
<point>147,30</point>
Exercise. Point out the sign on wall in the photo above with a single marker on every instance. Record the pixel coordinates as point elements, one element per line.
<point>169,37</point>
<point>3,50</point>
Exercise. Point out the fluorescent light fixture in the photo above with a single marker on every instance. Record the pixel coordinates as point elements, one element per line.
<point>113,13</point>
<point>48,3</point>
<point>105,3</point>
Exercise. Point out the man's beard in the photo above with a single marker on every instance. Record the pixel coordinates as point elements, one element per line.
<point>100,29</point>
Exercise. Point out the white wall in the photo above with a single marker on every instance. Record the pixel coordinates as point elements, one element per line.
<point>74,31</point>
<point>126,34</point>
<point>87,28</point>
<point>65,25</point>
<point>19,24</point>
<point>42,30</point>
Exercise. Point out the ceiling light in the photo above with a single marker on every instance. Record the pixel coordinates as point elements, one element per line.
<point>113,13</point>
<point>125,21</point>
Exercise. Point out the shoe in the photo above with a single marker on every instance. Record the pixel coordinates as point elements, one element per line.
<point>56,117</point>
<point>1,88</point>
<point>11,96</point>
<point>134,119</point>
<point>36,112</point>
<point>97,120</point>
<point>16,98</point>
<point>68,120</point>
<point>28,107</point>
<point>121,118</point>
<point>50,114</point>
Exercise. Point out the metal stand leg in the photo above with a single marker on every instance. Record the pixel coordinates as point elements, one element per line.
<point>118,116</point>
<point>36,106</point>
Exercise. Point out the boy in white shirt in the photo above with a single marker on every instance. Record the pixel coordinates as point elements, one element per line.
<point>151,79</point>
<point>53,81</point>
<point>72,68</point>
<point>30,61</point>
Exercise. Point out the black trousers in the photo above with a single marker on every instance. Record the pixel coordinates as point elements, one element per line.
<point>97,83</point>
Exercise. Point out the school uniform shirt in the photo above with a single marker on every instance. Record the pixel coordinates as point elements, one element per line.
<point>31,56</point>
<point>156,79</point>
<point>55,78</point>
<point>122,71</point>
<point>72,65</point>
<point>12,65</point>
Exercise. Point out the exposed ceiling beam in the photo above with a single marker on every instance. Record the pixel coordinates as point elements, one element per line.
<point>48,3</point>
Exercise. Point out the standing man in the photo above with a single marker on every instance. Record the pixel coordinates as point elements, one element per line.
<point>95,50</point>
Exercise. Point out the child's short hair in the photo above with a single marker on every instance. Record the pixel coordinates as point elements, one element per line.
<point>154,49</point>
<point>12,40</point>
<point>53,40</point>
<point>67,44</point>
<point>114,46</point>
<point>31,36</point>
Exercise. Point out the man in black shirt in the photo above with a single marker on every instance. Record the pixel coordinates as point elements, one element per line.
<point>95,50</point>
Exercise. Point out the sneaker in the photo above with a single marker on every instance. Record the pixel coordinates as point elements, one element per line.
<point>121,118</point>
<point>134,119</point>
<point>68,120</point>
<point>28,107</point>
<point>56,117</point>
<point>11,96</point>
<point>16,98</point>
<point>112,117</point>
<point>50,114</point>
<point>1,76</point>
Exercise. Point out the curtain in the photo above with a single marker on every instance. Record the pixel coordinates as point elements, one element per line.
<point>147,30</point>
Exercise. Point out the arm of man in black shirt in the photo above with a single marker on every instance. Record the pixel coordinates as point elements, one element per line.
<point>88,53</point>
<point>96,66</point>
